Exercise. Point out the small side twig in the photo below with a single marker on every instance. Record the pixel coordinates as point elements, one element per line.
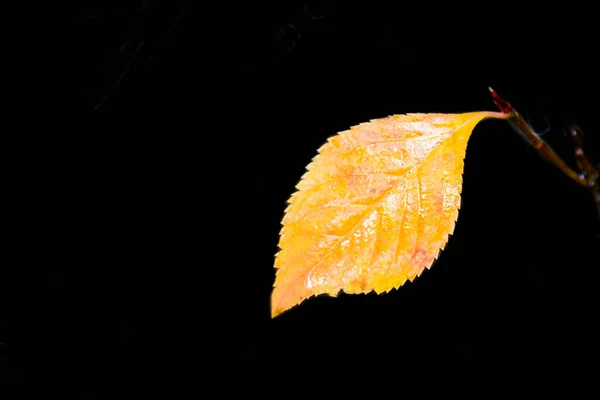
<point>587,169</point>
<point>588,175</point>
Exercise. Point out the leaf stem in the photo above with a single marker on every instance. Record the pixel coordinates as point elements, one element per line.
<point>588,177</point>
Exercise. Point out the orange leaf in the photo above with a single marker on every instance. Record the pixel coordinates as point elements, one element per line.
<point>375,207</point>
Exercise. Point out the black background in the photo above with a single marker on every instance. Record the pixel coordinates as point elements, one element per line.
<point>150,219</point>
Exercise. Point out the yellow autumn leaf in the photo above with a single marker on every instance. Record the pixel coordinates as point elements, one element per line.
<point>375,207</point>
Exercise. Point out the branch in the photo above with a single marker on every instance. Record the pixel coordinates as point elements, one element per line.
<point>588,175</point>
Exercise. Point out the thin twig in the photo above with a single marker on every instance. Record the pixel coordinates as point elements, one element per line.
<point>584,164</point>
<point>588,177</point>
<point>581,159</point>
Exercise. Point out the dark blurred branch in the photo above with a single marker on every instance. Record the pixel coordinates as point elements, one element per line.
<point>131,47</point>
